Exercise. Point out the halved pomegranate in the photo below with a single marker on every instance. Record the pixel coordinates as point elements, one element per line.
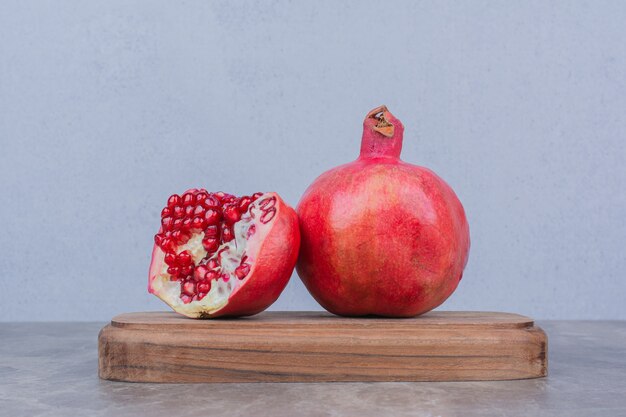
<point>221,255</point>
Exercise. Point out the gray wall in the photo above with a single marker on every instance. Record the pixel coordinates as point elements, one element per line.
<point>107,107</point>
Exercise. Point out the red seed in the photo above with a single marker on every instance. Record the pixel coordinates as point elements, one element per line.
<point>211,275</point>
<point>173,270</point>
<point>199,211</point>
<point>204,286</point>
<point>242,271</point>
<point>167,223</point>
<point>199,272</point>
<point>224,197</point>
<point>225,277</point>
<point>211,244</point>
<point>211,202</point>
<point>186,224</point>
<point>186,271</point>
<point>189,211</point>
<point>189,288</point>
<point>268,203</point>
<point>212,231</point>
<point>189,199</point>
<point>186,299</point>
<point>158,238</point>
<point>256,196</point>
<point>184,258</point>
<point>227,233</point>
<point>166,212</point>
<point>167,243</point>
<point>170,258</point>
<point>178,212</point>
<point>231,213</point>
<point>197,223</point>
<point>244,203</point>
<point>212,217</point>
<point>174,200</point>
<point>201,295</point>
<point>213,264</point>
<point>201,196</point>
<point>268,216</point>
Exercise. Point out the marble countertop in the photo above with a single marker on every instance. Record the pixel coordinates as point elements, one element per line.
<point>50,369</point>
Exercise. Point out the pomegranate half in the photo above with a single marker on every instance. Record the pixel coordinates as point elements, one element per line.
<point>219,255</point>
<point>381,236</point>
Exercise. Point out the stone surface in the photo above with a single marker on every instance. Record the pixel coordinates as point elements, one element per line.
<point>51,370</point>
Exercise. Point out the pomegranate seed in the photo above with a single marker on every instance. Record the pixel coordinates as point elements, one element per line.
<point>211,244</point>
<point>201,196</point>
<point>199,211</point>
<point>188,199</point>
<point>231,213</point>
<point>199,272</point>
<point>224,197</point>
<point>197,223</point>
<point>268,216</point>
<point>167,222</point>
<point>177,223</point>
<point>212,231</point>
<point>256,196</point>
<point>211,202</point>
<point>174,200</point>
<point>168,233</point>
<point>178,212</point>
<point>213,264</point>
<point>166,212</point>
<point>268,203</point>
<point>167,243</point>
<point>170,258</point>
<point>186,224</point>
<point>211,275</point>
<point>184,258</point>
<point>189,288</point>
<point>225,277</point>
<point>251,231</point>
<point>212,216</point>
<point>204,287</point>
<point>158,239</point>
<point>201,295</point>
<point>242,271</point>
<point>178,236</point>
<point>173,270</point>
<point>189,211</point>
<point>227,233</point>
<point>244,203</point>
<point>187,270</point>
<point>186,299</point>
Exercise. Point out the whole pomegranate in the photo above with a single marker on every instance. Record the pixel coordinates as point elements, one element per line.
<point>381,236</point>
<point>219,255</point>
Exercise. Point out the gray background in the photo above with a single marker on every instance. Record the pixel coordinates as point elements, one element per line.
<point>107,107</point>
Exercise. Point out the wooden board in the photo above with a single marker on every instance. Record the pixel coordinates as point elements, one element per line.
<point>319,347</point>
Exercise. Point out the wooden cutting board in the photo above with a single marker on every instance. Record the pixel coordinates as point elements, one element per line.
<point>319,347</point>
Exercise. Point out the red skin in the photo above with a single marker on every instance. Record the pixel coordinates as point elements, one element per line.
<point>381,236</point>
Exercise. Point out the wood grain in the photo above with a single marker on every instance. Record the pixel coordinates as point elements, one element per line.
<point>319,347</point>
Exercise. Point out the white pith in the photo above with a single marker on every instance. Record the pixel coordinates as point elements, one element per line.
<point>230,255</point>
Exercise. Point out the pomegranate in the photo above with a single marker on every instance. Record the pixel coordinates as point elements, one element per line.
<point>381,236</point>
<point>219,255</point>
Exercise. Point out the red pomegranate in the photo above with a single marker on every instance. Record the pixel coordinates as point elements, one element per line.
<point>381,236</point>
<point>219,255</point>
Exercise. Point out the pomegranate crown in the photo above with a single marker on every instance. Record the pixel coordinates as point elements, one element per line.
<point>382,121</point>
<point>382,134</point>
